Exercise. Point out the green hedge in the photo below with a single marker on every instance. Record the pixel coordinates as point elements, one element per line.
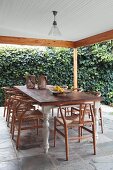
<point>55,63</point>
<point>95,67</point>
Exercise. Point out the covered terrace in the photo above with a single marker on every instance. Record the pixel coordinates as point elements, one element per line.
<point>81,23</point>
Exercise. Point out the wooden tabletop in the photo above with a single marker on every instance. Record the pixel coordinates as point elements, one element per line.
<point>46,98</point>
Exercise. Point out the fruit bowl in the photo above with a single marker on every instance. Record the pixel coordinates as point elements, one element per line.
<point>55,92</point>
<point>59,90</point>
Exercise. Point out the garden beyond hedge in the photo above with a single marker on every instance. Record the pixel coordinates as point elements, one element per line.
<point>95,67</point>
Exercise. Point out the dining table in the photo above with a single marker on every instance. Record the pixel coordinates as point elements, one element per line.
<point>47,100</point>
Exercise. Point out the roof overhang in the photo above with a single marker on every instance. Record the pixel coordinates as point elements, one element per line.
<point>57,43</point>
<point>81,23</point>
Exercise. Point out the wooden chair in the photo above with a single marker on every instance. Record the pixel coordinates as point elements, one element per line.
<point>98,94</point>
<point>67,109</point>
<point>24,118</point>
<point>11,104</point>
<point>9,92</point>
<point>80,122</point>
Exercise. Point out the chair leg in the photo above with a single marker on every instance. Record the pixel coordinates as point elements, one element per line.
<point>66,144</point>
<point>7,112</point>
<point>52,112</point>
<point>65,110</point>
<point>54,132</point>
<point>18,137</point>
<point>94,139</point>
<point>93,129</point>
<point>58,110</point>
<point>8,117</point>
<point>37,122</point>
<point>13,130</point>
<point>79,133</point>
<point>12,123</point>
<point>101,120</point>
<point>4,110</point>
<point>71,111</point>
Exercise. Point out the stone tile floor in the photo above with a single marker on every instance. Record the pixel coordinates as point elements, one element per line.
<point>31,155</point>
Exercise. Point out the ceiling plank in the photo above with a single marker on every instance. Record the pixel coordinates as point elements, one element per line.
<point>36,42</point>
<point>108,35</point>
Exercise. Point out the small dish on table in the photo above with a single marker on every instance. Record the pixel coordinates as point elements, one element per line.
<point>55,92</point>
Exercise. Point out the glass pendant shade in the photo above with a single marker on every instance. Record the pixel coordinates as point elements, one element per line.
<point>54,29</point>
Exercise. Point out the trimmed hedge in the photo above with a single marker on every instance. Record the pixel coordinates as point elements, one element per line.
<point>55,63</point>
<point>95,67</point>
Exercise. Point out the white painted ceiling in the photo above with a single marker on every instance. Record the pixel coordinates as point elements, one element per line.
<point>76,19</point>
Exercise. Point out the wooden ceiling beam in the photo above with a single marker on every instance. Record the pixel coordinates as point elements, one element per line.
<point>108,35</point>
<point>36,42</point>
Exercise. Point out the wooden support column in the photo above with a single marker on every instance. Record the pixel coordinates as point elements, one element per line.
<point>75,67</point>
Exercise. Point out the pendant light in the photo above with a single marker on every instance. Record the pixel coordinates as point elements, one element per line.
<point>54,29</point>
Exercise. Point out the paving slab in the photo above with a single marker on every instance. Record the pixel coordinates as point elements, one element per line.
<point>10,165</point>
<point>103,163</point>
<point>41,162</point>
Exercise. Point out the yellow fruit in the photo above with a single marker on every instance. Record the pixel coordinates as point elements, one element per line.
<point>55,88</point>
<point>59,89</point>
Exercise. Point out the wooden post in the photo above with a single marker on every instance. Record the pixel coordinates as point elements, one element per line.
<point>75,67</point>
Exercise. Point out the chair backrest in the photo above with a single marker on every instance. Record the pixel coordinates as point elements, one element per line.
<point>19,105</point>
<point>96,93</point>
<point>82,110</point>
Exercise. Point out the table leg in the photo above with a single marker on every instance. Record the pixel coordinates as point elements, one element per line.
<point>97,106</point>
<point>46,112</point>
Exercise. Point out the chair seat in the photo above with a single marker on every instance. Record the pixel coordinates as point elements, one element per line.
<point>29,120</point>
<point>73,120</point>
<point>69,119</point>
<point>31,114</point>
